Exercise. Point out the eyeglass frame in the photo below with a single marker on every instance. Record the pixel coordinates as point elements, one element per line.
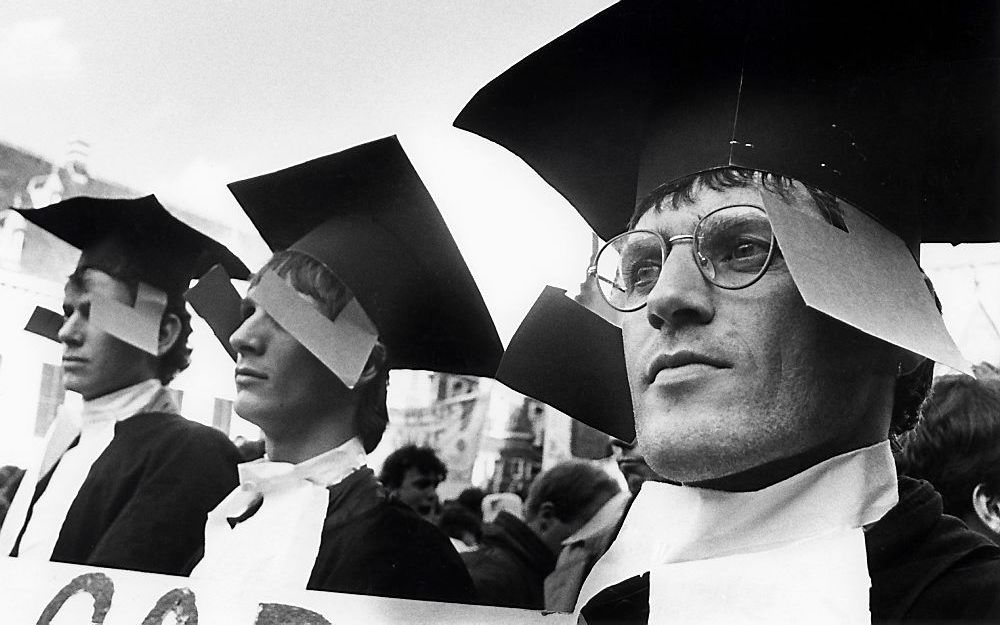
<point>666,242</point>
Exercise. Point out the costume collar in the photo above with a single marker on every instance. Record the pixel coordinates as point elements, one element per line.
<point>326,469</point>
<point>669,523</point>
<point>126,402</point>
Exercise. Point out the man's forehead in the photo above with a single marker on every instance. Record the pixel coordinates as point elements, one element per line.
<point>89,280</point>
<point>704,199</point>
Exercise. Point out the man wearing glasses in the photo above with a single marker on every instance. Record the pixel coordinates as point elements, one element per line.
<point>785,160</point>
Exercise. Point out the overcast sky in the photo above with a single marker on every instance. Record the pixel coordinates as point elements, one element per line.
<point>180,97</point>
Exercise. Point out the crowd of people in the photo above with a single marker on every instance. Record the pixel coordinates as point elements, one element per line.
<point>768,377</point>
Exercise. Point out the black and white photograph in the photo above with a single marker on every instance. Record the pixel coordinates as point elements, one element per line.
<point>492,311</point>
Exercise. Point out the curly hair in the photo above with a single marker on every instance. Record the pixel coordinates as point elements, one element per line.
<point>955,448</point>
<point>311,277</point>
<point>911,389</point>
<point>423,459</point>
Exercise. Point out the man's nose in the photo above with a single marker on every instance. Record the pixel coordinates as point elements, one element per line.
<point>681,295</point>
<point>247,338</point>
<point>71,330</point>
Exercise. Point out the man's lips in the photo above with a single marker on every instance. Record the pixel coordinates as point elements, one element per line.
<point>73,360</point>
<point>249,372</point>
<point>679,359</point>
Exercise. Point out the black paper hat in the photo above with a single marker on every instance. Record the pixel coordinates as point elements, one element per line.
<point>136,239</point>
<point>366,215</point>
<point>557,331</point>
<point>891,107</point>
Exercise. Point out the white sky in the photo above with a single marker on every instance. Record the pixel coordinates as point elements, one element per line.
<point>180,97</point>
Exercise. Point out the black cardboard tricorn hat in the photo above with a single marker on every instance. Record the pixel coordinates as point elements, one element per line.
<point>137,234</point>
<point>366,215</point>
<point>891,108</point>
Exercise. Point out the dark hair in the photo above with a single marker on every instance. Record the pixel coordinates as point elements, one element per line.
<point>456,519</point>
<point>571,487</point>
<point>955,447</point>
<point>178,357</point>
<point>472,499</point>
<point>423,459</point>
<point>911,389</point>
<point>311,277</point>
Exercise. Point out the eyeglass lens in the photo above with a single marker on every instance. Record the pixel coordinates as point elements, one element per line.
<point>732,247</point>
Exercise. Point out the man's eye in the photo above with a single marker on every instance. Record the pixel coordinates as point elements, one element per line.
<point>642,276</point>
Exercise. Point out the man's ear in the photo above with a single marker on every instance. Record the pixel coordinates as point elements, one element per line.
<point>170,331</point>
<point>987,507</point>
<point>367,375</point>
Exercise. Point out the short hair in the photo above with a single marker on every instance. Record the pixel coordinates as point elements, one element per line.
<point>571,487</point>
<point>911,389</point>
<point>311,277</point>
<point>957,444</point>
<point>472,499</point>
<point>178,357</point>
<point>456,519</point>
<point>423,459</point>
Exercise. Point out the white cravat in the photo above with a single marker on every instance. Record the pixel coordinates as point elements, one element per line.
<point>278,545</point>
<point>95,426</point>
<point>761,556</point>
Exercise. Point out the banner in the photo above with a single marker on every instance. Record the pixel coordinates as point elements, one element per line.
<point>50,593</point>
<point>452,426</point>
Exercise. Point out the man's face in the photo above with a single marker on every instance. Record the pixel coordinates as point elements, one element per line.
<point>419,491</point>
<point>94,362</point>
<point>632,466</point>
<point>726,380</point>
<point>280,386</point>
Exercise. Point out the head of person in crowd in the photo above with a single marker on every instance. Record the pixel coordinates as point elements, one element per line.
<point>562,499</point>
<point>472,499</point>
<point>285,389</point>
<point>459,523</point>
<point>125,315</point>
<point>632,465</point>
<point>956,447</point>
<point>348,295</point>
<point>412,474</point>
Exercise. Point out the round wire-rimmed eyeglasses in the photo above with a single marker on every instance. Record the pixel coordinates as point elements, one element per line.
<point>732,246</point>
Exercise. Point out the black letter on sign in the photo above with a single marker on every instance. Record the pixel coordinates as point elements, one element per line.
<point>281,614</point>
<point>97,585</point>
<point>180,601</point>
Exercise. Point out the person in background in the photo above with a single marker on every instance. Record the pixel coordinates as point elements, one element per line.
<point>127,483</point>
<point>412,474</point>
<point>472,499</point>
<point>956,447</point>
<point>632,465</point>
<point>339,304</point>
<point>464,528</point>
<point>515,557</point>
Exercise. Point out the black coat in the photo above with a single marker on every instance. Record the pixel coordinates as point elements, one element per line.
<point>373,546</point>
<point>510,567</point>
<point>925,566</point>
<point>145,500</point>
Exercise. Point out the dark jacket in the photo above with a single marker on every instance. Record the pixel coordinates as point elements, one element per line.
<point>144,503</point>
<point>925,567</point>
<point>373,546</point>
<point>510,567</point>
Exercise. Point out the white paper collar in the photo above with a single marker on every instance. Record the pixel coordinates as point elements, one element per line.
<point>325,469</point>
<point>126,402</point>
<point>669,523</point>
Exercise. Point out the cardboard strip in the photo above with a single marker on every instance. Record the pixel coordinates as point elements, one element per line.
<point>138,326</point>
<point>865,277</point>
<point>215,299</point>
<point>343,345</point>
<point>570,358</point>
<point>45,323</point>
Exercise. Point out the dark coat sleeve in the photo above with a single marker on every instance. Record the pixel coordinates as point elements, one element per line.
<point>391,552</point>
<point>156,515</point>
